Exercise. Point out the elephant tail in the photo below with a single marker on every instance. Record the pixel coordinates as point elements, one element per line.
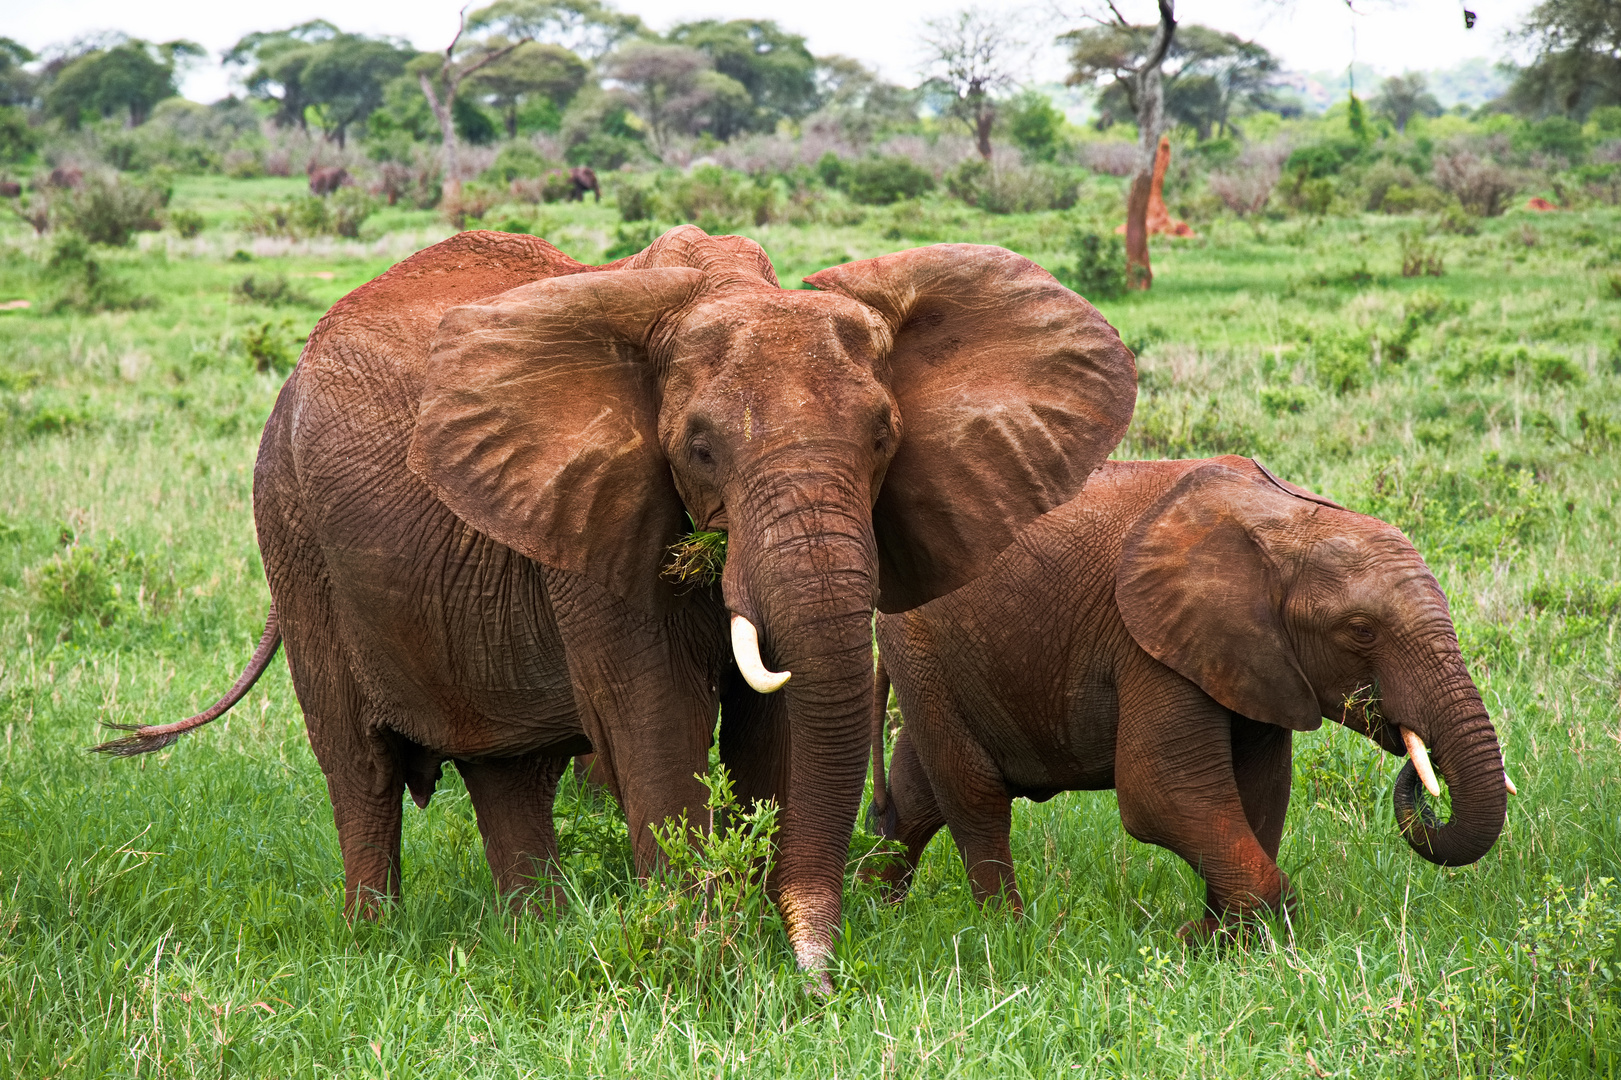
<point>148,738</point>
<point>881,813</point>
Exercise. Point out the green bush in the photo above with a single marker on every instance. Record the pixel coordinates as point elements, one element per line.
<point>270,290</point>
<point>17,139</point>
<point>270,348</point>
<point>340,214</point>
<point>1099,269</point>
<point>87,587</point>
<point>84,283</point>
<point>879,181</point>
<point>111,210</point>
<point>188,223</point>
<point>515,160</point>
<point>1537,364</point>
<point>718,200</point>
<point>1008,189</point>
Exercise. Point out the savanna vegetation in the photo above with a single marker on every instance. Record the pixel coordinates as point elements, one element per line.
<point>1370,306</point>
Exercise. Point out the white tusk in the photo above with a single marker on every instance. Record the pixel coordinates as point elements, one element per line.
<point>1421,762</point>
<point>746,649</point>
<point>1512,790</point>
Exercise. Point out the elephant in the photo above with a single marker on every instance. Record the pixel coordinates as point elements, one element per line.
<point>1165,633</point>
<point>470,483</point>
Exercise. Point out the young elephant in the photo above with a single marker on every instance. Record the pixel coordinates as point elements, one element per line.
<point>1165,633</point>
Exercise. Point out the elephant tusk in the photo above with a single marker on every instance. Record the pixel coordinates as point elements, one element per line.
<point>1421,762</point>
<point>1512,790</point>
<point>746,649</point>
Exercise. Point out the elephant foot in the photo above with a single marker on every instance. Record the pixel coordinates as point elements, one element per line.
<point>1239,927</point>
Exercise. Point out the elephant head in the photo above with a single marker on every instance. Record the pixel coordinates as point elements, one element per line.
<point>1284,606</point>
<point>870,442</point>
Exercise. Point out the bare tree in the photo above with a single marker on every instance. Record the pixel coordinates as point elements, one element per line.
<point>1115,49</point>
<point>453,71</point>
<point>970,60</point>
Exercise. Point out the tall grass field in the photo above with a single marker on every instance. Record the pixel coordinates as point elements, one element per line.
<point>180,915</point>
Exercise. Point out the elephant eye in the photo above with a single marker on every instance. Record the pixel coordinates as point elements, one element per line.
<point>701,453</point>
<point>880,439</point>
<point>1362,631</point>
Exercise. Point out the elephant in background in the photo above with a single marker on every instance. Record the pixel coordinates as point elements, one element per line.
<point>1165,634</point>
<point>469,486</point>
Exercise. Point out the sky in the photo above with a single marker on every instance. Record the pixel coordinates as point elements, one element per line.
<point>1310,35</point>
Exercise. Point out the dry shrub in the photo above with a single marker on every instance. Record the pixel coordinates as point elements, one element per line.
<point>1114,158</point>
<point>1246,186</point>
<point>463,201</point>
<point>1482,185</point>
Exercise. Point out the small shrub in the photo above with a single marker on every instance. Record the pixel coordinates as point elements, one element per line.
<point>631,238</point>
<point>85,284</point>
<point>1245,186</point>
<point>1288,398</point>
<point>87,587</point>
<point>1419,256</point>
<point>515,160</point>
<point>111,210</point>
<point>1009,189</point>
<point>1342,364</point>
<point>268,347</point>
<point>188,223</point>
<point>717,200</point>
<point>1481,186</point>
<point>467,202</point>
<point>1614,286</point>
<point>272,290</point>
<point>637,201</point>
<point>1099,269</point>
<point>1538,365</point>
<point>879,181</point>
<point>347,210</point>
<point>705,916</point>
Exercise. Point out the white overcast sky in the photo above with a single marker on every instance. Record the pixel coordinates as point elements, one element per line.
<point>1310,35</point>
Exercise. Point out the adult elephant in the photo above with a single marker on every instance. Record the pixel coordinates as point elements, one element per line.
<point>469,485</point>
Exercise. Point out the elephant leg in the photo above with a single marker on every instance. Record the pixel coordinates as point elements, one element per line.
<point>368,806</point>
<point>973,799</point>
<point>1262,768</point>
<point>1174,774</point>
<point>647,704</point>
<point>917,815</point>
<point>513,801</point>
<point>364,777</point>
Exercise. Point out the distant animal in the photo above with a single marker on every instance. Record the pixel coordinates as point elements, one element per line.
<point>326,181</point>
<point>1165,633</point>
<point>65,177</point>
<point>584,180</point>
<point>10,189</point>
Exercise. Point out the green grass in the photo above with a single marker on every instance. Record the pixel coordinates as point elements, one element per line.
<point>180,914</point>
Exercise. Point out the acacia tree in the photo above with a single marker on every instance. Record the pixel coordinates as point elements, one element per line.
<point>673,88</point>
<point>495,31</point>
<point>970,56</point>
<point>1402,97</point>
<point>279,59</point>
<point>533,70</point>
<point>1577,66</point>
<point>772,65</point>
<point>130,76</point>
<point>1116,50</point>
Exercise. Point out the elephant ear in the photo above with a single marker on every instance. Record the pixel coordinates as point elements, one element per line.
<point>538,424</point>
<point>1199,592</point>
<point>1012,389</point>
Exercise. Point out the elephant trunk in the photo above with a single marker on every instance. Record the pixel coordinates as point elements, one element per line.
<point>804,574</point>
<point>1463,750</point>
